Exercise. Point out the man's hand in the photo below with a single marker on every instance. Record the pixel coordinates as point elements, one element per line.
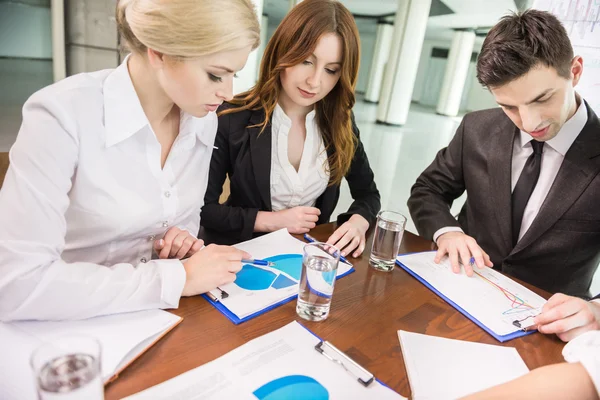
<point>568,317</point>
<point>457,244</point>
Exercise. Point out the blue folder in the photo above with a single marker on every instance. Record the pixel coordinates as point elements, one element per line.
<point>499,338</point>
<point>236,320</point>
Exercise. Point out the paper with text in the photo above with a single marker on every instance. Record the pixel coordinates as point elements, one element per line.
<point>257,288</point>
<point>278,365</point>
<point>488,296</point>
<point>440,368</point>
<point>122,337</point>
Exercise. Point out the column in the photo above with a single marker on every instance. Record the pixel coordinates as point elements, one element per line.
<point>247,76</point>
<point>456,73</point>
<point>401,70</point>
<point>293,3</point>
<point>91,35</point>
<point>264,27</point>
<point>59,59</point>
<point>383,43</point>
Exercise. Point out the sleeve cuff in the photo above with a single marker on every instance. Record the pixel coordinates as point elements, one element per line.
<point>446,229</point>
<point>584,349</point>
<point>173,278</point>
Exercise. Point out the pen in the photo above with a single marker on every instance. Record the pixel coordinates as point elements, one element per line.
<point>262,263</point>
<point>312,239</point>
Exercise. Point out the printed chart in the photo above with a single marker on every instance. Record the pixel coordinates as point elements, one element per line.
<point>293,387</point>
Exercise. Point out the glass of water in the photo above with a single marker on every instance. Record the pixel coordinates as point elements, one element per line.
<point>386,240</point>
<point>319,269</point>
<point>68,368</point>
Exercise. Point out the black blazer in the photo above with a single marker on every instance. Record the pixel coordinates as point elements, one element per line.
<point>245,156</point>
<point>561,250</point>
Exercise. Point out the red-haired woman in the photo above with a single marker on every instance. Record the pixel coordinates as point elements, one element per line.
<point>287,143</point>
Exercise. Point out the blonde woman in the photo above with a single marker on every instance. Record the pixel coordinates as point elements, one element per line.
<point>101,199</point>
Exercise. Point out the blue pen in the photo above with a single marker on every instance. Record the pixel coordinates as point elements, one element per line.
<point>262,263</point>
<point>312,239</point>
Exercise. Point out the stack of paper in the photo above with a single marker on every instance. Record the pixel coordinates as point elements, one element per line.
<point>441,368</point>
<point>123,338</point>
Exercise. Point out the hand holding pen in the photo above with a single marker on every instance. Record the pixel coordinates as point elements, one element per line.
<point>211,267</point>
<point>223,294</point>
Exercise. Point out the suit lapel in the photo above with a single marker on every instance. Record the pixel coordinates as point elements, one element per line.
<point>500,167</point>
<point>260,149</point>
<point>575,174</point>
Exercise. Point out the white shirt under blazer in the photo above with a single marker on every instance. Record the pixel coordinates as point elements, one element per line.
<point>291,188</point>
<point>85,197</point>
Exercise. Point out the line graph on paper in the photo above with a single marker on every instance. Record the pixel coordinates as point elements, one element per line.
<point>491,298</point>
<point>517,304</point>
<point>581,19</point>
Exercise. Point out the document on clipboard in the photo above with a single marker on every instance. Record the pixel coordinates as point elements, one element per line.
<point>500,306</point>
<point>258,289</point>
<point>275,366</point>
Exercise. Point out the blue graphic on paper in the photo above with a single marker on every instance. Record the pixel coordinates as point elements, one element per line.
<point>282,282</point>
<point>254,278</point>
<point>251,277</point>
<point>292,387</point>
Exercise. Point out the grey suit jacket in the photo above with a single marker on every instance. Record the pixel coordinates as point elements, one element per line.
<point>561,250</point>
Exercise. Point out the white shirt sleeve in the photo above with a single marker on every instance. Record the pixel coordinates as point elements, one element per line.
<point>447,229</point>
<point>585,349</point>
<point>35,283</point>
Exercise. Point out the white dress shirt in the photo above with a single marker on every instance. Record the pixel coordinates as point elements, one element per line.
<point>85,197</point>
<point>291,188</point>
<point>553,154</point>
<point>586,350</point>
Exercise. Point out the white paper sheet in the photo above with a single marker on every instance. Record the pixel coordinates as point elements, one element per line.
<point>257,288</point>
<point>440,368</point>
<point>490,297</point>
<point>271,367</point>
<point>122,337</point>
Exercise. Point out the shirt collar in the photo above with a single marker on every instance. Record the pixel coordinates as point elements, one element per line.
<point>280,118</point>
<point>124,115</point>
<point>567,134</point>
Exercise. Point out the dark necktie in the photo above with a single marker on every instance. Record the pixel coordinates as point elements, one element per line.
<point>525,185</point>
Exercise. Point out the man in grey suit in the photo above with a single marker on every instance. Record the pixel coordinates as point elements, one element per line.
<point>531,172</point>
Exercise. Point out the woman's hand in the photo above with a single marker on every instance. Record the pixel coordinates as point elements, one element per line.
<point>350,236</point>
<point>297,220</point>
<point>211,267</point>
<point>177,243</point>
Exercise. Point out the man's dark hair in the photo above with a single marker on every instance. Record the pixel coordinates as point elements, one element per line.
<point>520,42</point>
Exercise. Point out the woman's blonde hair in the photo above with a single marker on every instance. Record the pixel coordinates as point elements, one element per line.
<point>187,28</point>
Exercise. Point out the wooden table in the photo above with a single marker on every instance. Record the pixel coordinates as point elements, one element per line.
<point>368,308</point>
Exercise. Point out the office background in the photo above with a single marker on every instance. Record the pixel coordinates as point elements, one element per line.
<point>405,115</point>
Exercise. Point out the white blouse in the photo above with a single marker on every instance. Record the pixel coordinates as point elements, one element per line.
<point>586,350</point>
<point>85,197</point>
<point>291,188</point>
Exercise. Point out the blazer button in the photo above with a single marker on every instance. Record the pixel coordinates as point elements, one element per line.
<point>144,260</point>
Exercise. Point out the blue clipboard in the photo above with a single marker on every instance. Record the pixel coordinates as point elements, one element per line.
<point>236,320</point>
<point>499,338</point>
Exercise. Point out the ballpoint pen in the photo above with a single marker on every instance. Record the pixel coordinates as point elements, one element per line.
<point>261,263</point>
<point>312,239</point>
